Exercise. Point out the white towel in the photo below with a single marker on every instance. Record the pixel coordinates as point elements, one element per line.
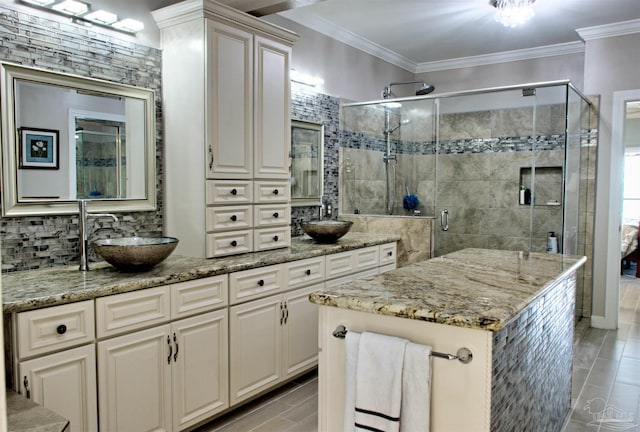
<point>352,344</point>
<point>416,388</point>
<point>379,382</point>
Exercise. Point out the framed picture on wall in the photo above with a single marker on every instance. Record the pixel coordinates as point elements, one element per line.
<point>38,148</point>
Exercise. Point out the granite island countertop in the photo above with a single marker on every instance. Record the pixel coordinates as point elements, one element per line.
<point>34,289</point>
<point>474,288</point>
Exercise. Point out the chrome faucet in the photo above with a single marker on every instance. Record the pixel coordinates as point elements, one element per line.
<point>83,236</point>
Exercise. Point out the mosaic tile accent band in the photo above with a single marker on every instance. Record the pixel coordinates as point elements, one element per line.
<point>37,242</point>
<point>532,355</point>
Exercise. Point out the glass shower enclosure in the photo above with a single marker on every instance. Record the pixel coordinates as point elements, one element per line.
<point>499,168</point>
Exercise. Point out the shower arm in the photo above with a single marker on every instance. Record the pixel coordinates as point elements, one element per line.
<point>387,93</point>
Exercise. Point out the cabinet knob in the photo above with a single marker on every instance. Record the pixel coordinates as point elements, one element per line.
<point>234,218</point>
<point>275,191</point>
<point>61,329</point>
<point>234,191</point>
<point>308,272</point>
<point>234,243</point>
<point>260,282</point>
<point>276,215</point>
<point>389,253</point>
<point>275,238</point>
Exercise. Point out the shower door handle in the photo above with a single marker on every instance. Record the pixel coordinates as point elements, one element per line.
<point>444,220</point>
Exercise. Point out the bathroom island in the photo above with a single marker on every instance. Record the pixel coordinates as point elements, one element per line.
<point>513,310</point>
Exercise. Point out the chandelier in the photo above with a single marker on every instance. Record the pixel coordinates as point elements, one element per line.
<point>513,13</point>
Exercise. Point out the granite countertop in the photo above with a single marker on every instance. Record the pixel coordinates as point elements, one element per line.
<point>474,288</point>
<point>34,289</point>
<point>24,415</point>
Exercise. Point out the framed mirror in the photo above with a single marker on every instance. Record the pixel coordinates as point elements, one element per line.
<point>67,137</point>
<point>307,145</point>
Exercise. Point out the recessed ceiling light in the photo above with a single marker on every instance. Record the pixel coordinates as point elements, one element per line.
<point>102,17</point>
<point>39,2</point>
<point>71,7</point>
<point>129,25</point>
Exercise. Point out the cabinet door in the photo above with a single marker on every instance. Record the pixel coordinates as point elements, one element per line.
<point>271,110</point>
<point>65,383</point>
<point>200,368</point>
<point>255,347</point>
<point>229,82</point>
<point>300,340</point>
<point>134,381</point>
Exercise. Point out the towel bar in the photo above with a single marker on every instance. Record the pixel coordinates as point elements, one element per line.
<point>464,355</point>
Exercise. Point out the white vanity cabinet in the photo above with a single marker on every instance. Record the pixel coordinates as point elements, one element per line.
<point>170,376</point>
<point>57,362</point>
<point>226,97</point>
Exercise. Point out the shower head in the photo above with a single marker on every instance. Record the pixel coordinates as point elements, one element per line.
<point>423,90</point>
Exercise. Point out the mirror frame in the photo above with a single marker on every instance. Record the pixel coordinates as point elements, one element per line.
<point>11,206</point>
<point>319,128</point>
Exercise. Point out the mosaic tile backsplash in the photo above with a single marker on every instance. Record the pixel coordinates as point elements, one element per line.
<point>36,242</point>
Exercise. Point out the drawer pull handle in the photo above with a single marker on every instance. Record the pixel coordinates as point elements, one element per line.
<point>175,341</point>
<point>275,191</point>
<point>61,329</point>
<point>308,272</point>
<point>234,243</point>
<point>260,282</point>
<point>26,387</point>
<point>286,312</point>
<point>234,191</point>
<point>211,158</point>
<point>170,349</point>
<point>275,238</point>
<point>234,218</point>
<point>276,215</point>
<point>389,253</point>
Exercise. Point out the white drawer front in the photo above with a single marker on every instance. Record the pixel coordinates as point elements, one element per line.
<point>340,264</point>
<point>386,268</point>
<point>222,218</point>
<point>304,272</point>
<point>271,191</point>
<point>255,283</point>
<point>131,311</point>
<point>229,192</point>
<point>354,276</point>
<point>272,238</point>
<point>271,215</point>
<point>229,243</point>
<point>367,257</point>
<point>54,328</point>
<point>199,295</point>
<point>388,254</point>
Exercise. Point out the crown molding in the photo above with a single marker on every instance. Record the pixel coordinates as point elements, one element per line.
<point>609,30</point>
<point>502,57</point>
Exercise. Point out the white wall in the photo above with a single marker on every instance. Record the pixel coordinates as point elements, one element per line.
<point>611,65</point>
<point>348,73</point>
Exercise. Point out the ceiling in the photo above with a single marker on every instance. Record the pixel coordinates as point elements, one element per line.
<point>415,34</point>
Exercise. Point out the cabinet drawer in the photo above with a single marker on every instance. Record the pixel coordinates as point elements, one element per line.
<point>354,276</point>
<point>222,218</point>
<point>304,272</point>
<point>131,311</point>
<point>54,328</point>
<point>367,258</point>
<point>229,243</point>
<point>229,192</point>
<point>271,238</point>
<point>255,283</point>
<point>340,264</point>
<point>271,191</point>
<point>386,268</point>
<point>271,215</point>
<point>200,295</point>
<point>388,254</point>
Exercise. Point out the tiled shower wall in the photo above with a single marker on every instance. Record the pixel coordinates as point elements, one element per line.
<point>36,242</point>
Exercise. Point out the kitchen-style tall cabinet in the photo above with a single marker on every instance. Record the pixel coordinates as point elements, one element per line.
<point>226,105</point>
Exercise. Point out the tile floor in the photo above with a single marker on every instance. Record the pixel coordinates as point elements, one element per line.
<point>605,394</point>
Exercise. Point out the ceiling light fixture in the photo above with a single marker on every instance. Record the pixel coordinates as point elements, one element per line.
<point>81,14</point>
<point>513,13</point>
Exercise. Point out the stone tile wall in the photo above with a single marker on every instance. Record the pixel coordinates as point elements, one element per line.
<point>531,360</point>
<point>36,242</point>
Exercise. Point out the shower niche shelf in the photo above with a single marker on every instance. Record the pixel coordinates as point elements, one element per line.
<point>547,185</point>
